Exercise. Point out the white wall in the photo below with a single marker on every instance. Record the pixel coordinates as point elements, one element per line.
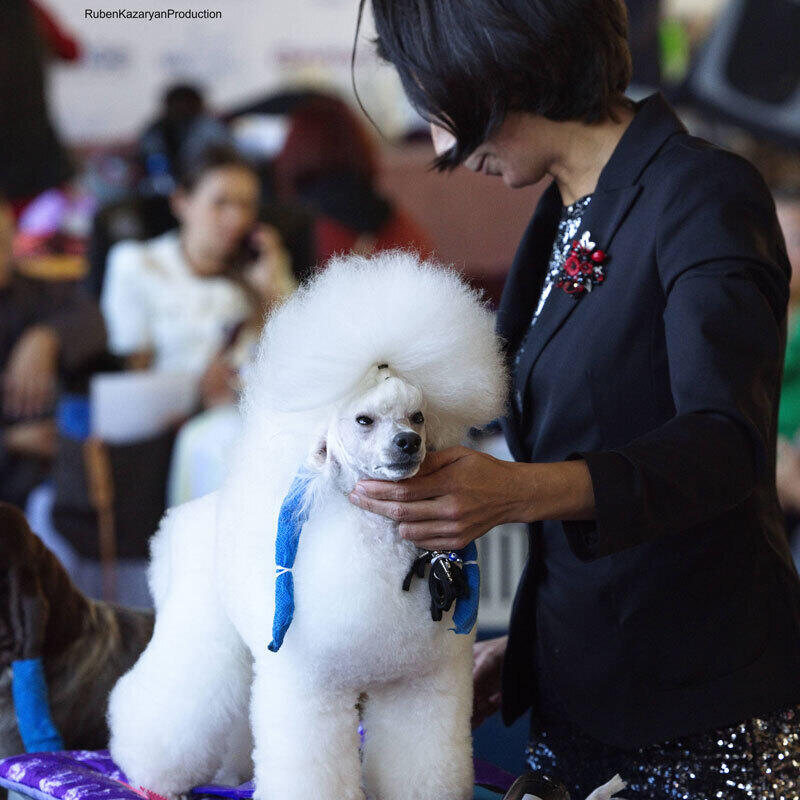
<point>693,7</point>
<point>257,46</point>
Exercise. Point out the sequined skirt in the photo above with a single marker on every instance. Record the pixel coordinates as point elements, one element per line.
<point>758,759</point>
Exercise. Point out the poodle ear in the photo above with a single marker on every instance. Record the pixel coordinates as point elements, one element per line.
<point>318,457</point>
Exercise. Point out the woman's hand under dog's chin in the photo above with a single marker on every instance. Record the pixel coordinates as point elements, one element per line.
<point>459,494</point>
<point>347,475</point>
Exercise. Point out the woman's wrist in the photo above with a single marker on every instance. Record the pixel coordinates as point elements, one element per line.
<point>560,490</point>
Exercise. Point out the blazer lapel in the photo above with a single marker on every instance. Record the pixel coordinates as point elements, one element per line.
<point>603,217</point>
<point>522,288</point>
<point>617,190</point>
<point>526,276</point>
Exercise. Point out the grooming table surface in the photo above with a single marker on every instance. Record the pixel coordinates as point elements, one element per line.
<point>92,775</point>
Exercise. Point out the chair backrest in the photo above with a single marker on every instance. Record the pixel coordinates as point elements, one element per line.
<point>750,70</point>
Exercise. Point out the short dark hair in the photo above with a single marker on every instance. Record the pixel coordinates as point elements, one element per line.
<point>212,158</point>
<point>465,64</point>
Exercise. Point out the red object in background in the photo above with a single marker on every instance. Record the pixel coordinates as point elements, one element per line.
<point>325,137</point>
<point>399,231</point>
<point>60,43</point>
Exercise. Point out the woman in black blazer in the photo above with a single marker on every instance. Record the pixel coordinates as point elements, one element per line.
<point>656,629</point>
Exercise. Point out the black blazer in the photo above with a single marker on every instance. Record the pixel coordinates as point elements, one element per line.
<point>678,609</point>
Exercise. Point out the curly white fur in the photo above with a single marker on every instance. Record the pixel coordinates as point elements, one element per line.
<point>179,718</point>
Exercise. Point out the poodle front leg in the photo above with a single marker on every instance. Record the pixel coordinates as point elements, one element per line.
<point>417,738</point>
<point>306,737</point>
<point>171,715</point>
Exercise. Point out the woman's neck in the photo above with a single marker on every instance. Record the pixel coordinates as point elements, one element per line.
<point>583,152</point>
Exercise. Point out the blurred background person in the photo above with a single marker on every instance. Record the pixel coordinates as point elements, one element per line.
<point>183,300</point>
<point>194,299</point>
<point>203,444</point>
<point>329,164</point>
<point>178,137</point>
<point>189,302</point>
<point>47,328</point>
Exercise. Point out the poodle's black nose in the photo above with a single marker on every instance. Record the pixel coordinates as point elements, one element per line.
<point>408,442</point>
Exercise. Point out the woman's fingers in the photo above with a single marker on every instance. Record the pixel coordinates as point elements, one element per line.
<point>431,480</point>
<point>400,511</point>
<point>458,500</point>
<point>431,524</point>
<point>409,490</point>
<point>439,458</point>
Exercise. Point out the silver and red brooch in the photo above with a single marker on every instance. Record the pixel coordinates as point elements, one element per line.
<point>583,268</point>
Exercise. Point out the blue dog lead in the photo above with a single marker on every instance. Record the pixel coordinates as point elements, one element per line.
<point>29,692</point>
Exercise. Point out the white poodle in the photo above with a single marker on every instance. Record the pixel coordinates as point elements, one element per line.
<point>360,373</point>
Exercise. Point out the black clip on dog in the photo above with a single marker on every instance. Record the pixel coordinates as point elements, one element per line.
<point>446,581</point>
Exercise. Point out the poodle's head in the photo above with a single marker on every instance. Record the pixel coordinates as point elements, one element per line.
<point>379,432</point>
<point>347,363</point>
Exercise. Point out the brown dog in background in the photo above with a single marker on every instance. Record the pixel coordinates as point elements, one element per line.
<point>85,645</point>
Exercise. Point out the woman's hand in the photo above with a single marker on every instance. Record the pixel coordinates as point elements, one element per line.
<point>30,377</point>
<point>486,678</point>
<point>271,274</point>
<point>458,495</point>
<point>37,439</point>
<point>219,383</point>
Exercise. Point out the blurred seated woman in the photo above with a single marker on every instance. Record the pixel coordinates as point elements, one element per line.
<point>191,299</point>
<point>47,328</point>
<point>200,455</point>
<point>329,164</point>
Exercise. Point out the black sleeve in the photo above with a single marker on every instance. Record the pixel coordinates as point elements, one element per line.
<point>726,287</point>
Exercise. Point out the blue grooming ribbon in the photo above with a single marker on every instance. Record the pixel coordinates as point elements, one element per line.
<point>29,692</point>
<point>466,613</point>
<point>292,517</point>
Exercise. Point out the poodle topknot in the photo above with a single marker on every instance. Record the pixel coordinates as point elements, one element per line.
<point>418,317</point>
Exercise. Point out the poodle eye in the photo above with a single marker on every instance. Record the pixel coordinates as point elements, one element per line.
<point>417,418</point>
<point>363,419</point>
